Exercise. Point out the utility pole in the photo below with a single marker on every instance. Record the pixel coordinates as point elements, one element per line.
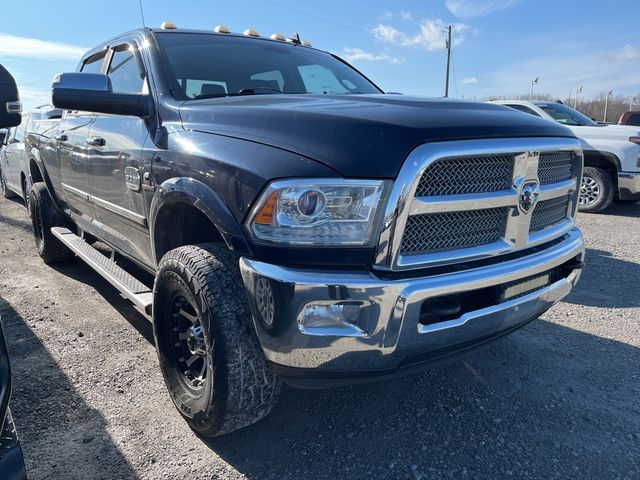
<point>606,104</point>
<point>448,46</point>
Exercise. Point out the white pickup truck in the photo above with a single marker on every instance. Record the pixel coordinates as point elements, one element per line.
<point>611,154</point>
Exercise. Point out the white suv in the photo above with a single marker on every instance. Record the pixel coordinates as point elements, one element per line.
<point>611,154</point>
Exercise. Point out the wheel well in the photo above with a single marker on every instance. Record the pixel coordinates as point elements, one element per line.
<point>605,162</point>
<point>182,224</point>
<point>34,171</point>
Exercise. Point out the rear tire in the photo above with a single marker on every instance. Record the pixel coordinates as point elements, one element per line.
<point>212,363</point>
<point>44,215</point>
<point>596,190</point>
<point>6,193</point>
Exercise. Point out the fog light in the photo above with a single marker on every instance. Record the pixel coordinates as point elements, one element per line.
<point>344,319</point>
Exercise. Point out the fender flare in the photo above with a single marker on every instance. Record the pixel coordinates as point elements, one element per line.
<point>34,155</point>
<point>611,157</point>
<point>188,191</point>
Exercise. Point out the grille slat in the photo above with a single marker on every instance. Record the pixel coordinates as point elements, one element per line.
<point>474,174</point>
<point>555,167</point>
<point>437,232</point>
<point>548,213</point>
<point>471,174</point>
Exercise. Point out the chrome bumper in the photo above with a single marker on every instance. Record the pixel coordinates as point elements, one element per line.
<point>629,185</point>
<point>387,333</point>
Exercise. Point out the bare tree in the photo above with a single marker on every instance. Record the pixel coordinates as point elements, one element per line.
<point>591,107</point>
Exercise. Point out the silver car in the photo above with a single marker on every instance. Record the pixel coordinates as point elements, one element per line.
<point>15,179</point>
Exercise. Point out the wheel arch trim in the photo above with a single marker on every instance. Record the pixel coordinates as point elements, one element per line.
<point>190,192</point>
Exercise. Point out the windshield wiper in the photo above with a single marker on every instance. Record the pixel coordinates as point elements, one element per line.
<point>245,91</point>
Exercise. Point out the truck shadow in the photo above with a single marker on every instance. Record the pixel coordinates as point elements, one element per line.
<point>44,404</point>
<point>617,209</point>
<point>601,282</point>
<point>532,403</point>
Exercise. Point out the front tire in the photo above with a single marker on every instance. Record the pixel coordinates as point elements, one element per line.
<point>6,192</point>
<point>44,215</point>
<point>212,363</point>
<point>596,190</point>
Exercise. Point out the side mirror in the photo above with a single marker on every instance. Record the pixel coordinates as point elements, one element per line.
<point>10,106</point>
<point>92,92</point>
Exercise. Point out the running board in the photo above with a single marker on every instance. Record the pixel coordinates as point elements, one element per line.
<point>127,284</point>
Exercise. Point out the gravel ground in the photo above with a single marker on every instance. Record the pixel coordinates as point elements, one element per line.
<point>557,399</point>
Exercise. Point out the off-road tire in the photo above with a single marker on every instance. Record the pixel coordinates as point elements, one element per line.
<point>595,178</point>
<point>6,192</point>
<point>44,215</point>
<point>242,388</point>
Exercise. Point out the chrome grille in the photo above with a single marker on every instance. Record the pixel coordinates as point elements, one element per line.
<point>548,213</point>
<point>464,200</point>
<point>462,175</point>
<point>555,167</point>
<point>452,230</point>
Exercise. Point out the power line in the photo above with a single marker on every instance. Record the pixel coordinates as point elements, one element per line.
<point>317,17</point>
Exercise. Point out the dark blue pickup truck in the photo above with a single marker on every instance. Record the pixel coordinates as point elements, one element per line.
<point>300,224</point>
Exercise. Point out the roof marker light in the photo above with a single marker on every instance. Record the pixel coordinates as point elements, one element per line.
<point>168,26</point>
<point>251,32</point>
<point>221,29</point>
<point>306,43</point>
<point>278,36</point>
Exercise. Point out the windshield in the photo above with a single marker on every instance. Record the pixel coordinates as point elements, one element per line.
<point>566,115</point>
<point>208,65</point>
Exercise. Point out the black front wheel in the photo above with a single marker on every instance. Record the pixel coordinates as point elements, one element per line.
<point>212,363</point>
<point>44,216</point>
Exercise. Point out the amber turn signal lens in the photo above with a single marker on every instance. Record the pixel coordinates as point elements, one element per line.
<point>265,215</point>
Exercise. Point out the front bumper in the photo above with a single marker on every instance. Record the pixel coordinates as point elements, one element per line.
<point>387,335</point>
<point>629,185</point>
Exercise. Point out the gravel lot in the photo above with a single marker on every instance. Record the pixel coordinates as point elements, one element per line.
<point>557,399</point>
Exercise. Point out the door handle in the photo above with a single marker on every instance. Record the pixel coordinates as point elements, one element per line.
<point>62,137</point>
<point>96,141</point>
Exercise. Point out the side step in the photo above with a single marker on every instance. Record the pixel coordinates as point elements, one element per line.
<point>127,284</point>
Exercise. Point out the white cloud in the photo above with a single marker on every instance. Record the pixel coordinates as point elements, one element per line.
<point>467,9</point>
<point>470,80</point>
<point>628,52</point>
<point>34,96</point>
<point>356,54</point>
<point>431,35</point>
<point>25,47</point>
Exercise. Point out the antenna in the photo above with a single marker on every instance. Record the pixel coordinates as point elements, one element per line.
<point>141,13</point>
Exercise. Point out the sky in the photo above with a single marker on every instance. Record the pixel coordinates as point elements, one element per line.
<point>498,47</point>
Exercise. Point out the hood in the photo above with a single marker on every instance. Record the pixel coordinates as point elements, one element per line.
<point>359,135</point>
<point>606,132</point>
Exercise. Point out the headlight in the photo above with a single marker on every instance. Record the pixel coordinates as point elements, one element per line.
<point>318,212</point>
